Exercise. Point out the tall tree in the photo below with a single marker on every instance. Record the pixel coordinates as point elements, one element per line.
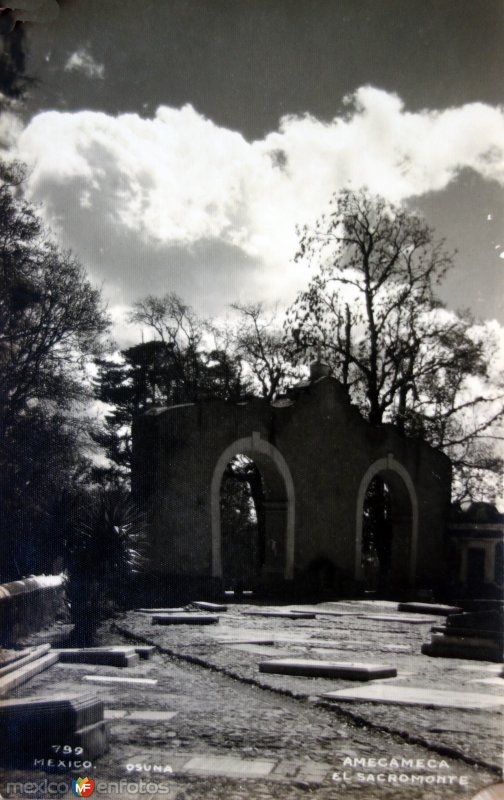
<point>187,360</point>
<point>52,324</point>
<point>372,311</point>
<point>259,343</point>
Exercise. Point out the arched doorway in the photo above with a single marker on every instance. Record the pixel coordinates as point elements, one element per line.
<point>242,509</point>
<point>278,507</point>
<point>387,526</point>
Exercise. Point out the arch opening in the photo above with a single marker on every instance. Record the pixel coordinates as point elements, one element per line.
<point>242,508</point>
<point>266,514</point>
<point>387,528</point>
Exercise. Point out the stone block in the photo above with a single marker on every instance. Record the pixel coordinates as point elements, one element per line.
<point>238,640</point>
<point>33,726</point>
<point>230,766</point>
<point>125,657</point>
<point>69,711</point>
<point>145,651</point>
<point>281,614</point>
<point>26,657</point>
<point>214,607</point>
<point>126,681</point>
<point>487,620</point>
<point>413,696</point>
<point>429,608</point>
<point>93,739</point>
<point>327,669</point>
<point>397,618</point>
<point>454,647</point>
<point>184,619</point>
<point>23,674</point>
<point>476,633</point>
<point>180,610</point>
<point>151,716</point>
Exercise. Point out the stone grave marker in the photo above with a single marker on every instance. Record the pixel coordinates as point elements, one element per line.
<point>184,619</point>
<point>281,614</point>
<point>213,607</point>
<point>33,726</point>
<point>151,716</point>
<point>321,612</point>
<point>327,669</point>
<point>230,766</point>
<point>112,657</point>
<point>428,608</point>
<point>412,696</point>
<point>397,618</point>
<point>160,610</point>
<point>126,681</point>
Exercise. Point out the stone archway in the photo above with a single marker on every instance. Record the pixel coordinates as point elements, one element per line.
<point>279,506</point>
<point>405,519</point>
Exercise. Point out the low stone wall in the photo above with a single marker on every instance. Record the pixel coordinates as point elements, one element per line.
<point>29,605</point>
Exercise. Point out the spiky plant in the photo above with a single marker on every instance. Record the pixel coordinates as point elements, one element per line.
<point>105,552</point>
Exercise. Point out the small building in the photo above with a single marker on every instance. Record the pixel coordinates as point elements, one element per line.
<point>317,457</point>
<point>477,543</point>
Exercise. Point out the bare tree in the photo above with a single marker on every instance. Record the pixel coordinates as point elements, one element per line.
<point>259,342</point>
<point>372,311</point>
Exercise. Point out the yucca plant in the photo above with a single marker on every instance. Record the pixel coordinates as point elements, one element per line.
<point>105,551</point>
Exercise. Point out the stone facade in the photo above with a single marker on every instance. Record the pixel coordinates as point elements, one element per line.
<point>317,457</point>
<point>477,549</point>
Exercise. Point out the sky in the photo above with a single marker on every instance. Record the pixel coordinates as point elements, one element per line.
<point>175,145</point>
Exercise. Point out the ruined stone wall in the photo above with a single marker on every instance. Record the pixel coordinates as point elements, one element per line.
<point>316,441</point>
<point>29,605</point>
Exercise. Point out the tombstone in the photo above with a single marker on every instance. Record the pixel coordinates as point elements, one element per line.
<point>429,608</point>
<point>281,614</point>
<point>327,669</point>
<point>33,727</point>
<point>477,635</point>
<point>184,619</point>
<point>213,607</point>
<point>414,696</point>
<point>116,657</point>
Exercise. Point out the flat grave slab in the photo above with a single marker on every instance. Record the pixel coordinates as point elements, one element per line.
<point>397,618</point>
<point>160,610</point>
<point>25,657</point>
<point>412,696</point>
<point>230,765</point>
<point>327,669</point>
<point>428,608</point>
<point>281,614</point>
<point>112,657</point>
<point>114,713</point>
<point>497,681</point>
<point>214,607</point>
<point>260,650</point>
<point>245,640</point>
<point>493,669</point>
<point>126,681</point>
<point>151,716</point>
<point>184,619</point>
<point>19,676</point>
<point>321,612</point>
<point>470,633</point>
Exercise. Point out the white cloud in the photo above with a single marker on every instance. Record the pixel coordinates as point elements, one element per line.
<point>177,202</point>
<point>82,61</point>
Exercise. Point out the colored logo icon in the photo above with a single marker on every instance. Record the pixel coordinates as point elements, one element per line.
<point>83,787</point>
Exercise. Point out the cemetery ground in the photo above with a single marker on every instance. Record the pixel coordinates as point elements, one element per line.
<point>200,720</point>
